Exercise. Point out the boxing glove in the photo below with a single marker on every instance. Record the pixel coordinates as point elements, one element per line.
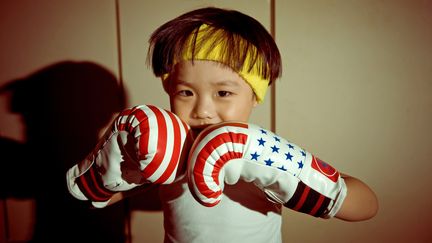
<point>286,173</point>
<point>143,145</point>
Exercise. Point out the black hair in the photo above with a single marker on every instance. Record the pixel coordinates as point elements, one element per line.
<point>242,36</point>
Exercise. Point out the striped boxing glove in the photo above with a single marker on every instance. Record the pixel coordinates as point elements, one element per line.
<point>143,145</point>
<point>287,174</point>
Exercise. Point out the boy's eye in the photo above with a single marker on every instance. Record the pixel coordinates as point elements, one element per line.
<point>224,93</point>
<point>185,93</point>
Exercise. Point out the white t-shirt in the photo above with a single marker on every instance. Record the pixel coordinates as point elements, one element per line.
<point>243,215</point>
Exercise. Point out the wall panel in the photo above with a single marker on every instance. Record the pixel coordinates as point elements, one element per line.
<point>356,91</point>
<point>53,51</point>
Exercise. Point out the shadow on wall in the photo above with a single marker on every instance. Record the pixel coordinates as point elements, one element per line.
<point>64,106</point>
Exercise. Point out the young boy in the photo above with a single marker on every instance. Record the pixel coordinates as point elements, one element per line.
<point>215,65</point>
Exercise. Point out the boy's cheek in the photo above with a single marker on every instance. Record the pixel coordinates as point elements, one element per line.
<point>236,113</point>
<point>240,108</point>
<point>173,105</point>
<point>180,110</point>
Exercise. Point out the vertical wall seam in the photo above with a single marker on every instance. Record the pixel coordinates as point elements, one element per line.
<point>273,86</point>
<point>127,210</point>
<point>119,50</point>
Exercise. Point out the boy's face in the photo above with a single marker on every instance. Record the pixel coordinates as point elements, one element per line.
<point>207,92</point>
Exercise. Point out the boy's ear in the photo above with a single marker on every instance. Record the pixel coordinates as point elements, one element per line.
<point>166,84</point>
<point>255,101</point>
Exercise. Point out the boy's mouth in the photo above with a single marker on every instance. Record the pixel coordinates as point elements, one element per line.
<point>197,130</point>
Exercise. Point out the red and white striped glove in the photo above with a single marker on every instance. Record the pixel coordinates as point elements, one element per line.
<point>143,145</point>
<point>286,173</point>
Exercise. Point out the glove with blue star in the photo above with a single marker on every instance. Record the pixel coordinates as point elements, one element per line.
<point>287,174</point>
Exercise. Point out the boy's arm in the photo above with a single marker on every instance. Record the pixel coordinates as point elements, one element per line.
<point>116,197</point>
<point>360,203</point>
<point>143,189</point>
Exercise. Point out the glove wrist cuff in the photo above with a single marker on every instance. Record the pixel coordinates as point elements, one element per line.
<point>338,201</point>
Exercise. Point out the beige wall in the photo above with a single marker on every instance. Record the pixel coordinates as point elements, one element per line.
<point>356,91</point>
<point>34,36</point>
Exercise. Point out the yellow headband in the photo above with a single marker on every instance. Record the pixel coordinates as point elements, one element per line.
<point>211,50</point>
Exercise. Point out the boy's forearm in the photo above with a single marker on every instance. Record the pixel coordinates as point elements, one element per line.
<point>360,203</point>
<point>143,189</point>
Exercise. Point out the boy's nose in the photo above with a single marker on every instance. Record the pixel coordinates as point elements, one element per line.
<point>203,109</point>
